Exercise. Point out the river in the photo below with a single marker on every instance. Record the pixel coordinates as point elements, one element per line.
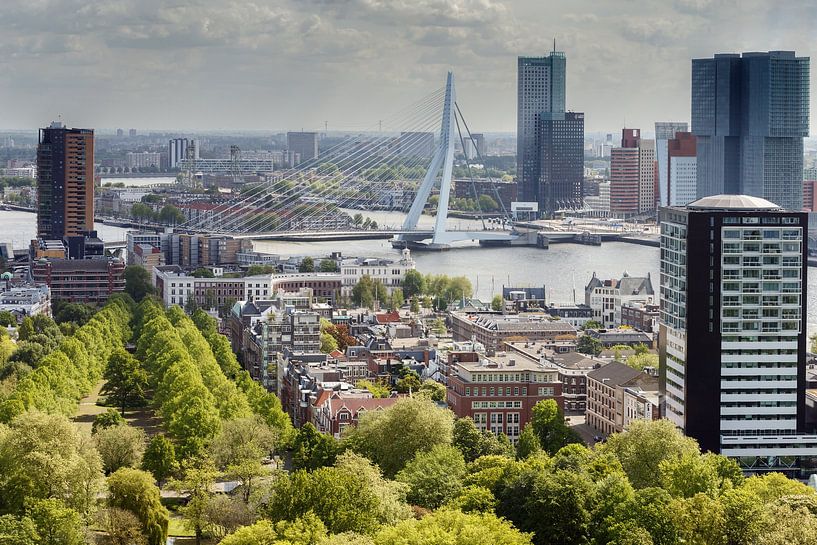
<point>561,269</point>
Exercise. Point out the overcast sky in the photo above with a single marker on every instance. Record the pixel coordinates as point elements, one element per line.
<point>281,64</point>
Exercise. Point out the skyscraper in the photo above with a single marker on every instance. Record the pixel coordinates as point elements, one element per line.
<point>681,163</point>
<point>665,131</point>
<point>733,328</point>
<point>65,182</point>
<point>540,89</point>
<point>632,175</point>
<point>750,114</point>
<point>560,147</point>
<point>303,143</point>
<point>177,151</point>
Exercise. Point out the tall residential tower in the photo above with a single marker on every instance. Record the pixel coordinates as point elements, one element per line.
<point>750,113</point>
<point>65,182</point>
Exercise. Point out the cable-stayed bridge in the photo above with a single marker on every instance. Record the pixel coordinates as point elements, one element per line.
<point>396,168</point>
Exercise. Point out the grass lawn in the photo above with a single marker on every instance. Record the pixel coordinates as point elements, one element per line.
<point>88,409</point>
<point>176,528</point>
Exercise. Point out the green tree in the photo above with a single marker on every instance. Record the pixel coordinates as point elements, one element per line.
<point>643,447</point>
<point>240,447</point>
<point>17,531</point>
<point>413,424</point>
<point>453,528</point>
<point>434,477</point>
<point>312,449</point>
<point>397,299</point>
<point>202,272</point>
<point>435,390</point>
<point>328,265</point>
<point>415,306</point>
<point>169,214</point>
<point>528,444</point>
<point>137,282</point>
<point>413,283</point>
<point>377,390</point>
<point>56,523</point>
<point>121,527</point>
<point>592,324</point>
<point>109,418</point>
<point>474,443</point>
<point>589,345</point>
<point>43,456</point>
<point>307,265</point>
<point>126,380</point>
<point>691,473</point>
<point>7,318</point>
<point>120,446</point>
<point>549,425</point>
<point>160,458</point>
<point>196,484</point>
<point>134,491</point>
<point>640,361</point>
<point>78,313</point>
<point>408,382</point>
<point>141,211</point>
<point>497,303</point>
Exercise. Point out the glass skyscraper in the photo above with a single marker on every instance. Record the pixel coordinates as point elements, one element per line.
<point>750,113</point>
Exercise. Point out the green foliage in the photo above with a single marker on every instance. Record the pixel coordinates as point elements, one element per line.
<point>643,447</point>
<point>7,319</point>
<point>450,527</point>
<point>473,443</point>
<point>640,361</point>
<point>377,390</point>
<point>202,272</point>
<point>134,491</point>
<point>433,389</point>
<point>307,265</point>
<point>255,270</point>
<point>137,282</point>
<point>328,265</point>
<point>367,291</point>
<point>126,380</point>
<point>17,530</point>
<point>56,523</point>
<point>434,477</point>
<point>78,313</point>
<point>592,324</point>
<point>197,485</point>
<point>528,444</point>
<point>351,496</point>
<point>160,458</point>
<point>412,425</point>
<point>240,447</point>
<point>497,303</point>
<point>109,418</point>
<point>414,283</point>
<point>121,527</point>
<point>589,345</point>
<point>120,446</point>
<point>549,426</point>
<point>312,449</point>
<point>43,456</point>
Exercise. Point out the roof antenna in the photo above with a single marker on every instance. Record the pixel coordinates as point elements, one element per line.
<point>554,44</point>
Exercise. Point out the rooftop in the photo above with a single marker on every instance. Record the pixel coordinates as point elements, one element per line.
<point>508,361</point>
<point>732,202</point>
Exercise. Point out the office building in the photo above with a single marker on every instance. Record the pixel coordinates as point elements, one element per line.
<point>65,182</point>
<point>809,195</point>
<point>681,162</point>
<point>81,280</point>
<point>540,89</point>
<point>632,175</point>
<point>417,144</point>
<point>474,146</point>
<point>145,159</point>
<point>750,113</point>
<point>664,132</point>
<point>305,144</point>
<point>177,151</point>
<point>733,329</point>
<point>492,330</point>
<point>560,146</point>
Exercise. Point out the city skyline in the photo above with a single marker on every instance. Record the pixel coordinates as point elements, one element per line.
<point>292,66</point>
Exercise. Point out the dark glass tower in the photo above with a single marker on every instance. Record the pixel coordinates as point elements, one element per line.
<point>560,148</point>
<point>750,114</point>
<point>540,90</point>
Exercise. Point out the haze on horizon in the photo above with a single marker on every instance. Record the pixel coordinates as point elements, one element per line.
<point>292,64</point>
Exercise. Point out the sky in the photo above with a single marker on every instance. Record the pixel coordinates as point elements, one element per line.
<point>293,64</point>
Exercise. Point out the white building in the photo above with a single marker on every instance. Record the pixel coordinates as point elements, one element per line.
<point>665,131</point>
<point>606,297</point>
<point>683,175</point>
<point>26,301</point>
<point>145,159</point>
<point>600,202</point>
<point>389,273</point>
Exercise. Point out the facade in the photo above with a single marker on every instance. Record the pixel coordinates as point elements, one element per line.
<point>607,297</point>
<point>304,144</point>
<point>81,280</point>
<point>664,132</point>
<point>175,287</point>
<point>387,272</point>
<point>26,301</point>
<point>640,316</point>
<point>137,238</point>
<point>809,195</point>
<point>227,166</point>
<point>498,392</point>
<point>560,147</point>
<point>600,202</point>
<point>177,151</point>
<point>492,330</point>
<point>475,146</point>
<point>750,113</point>
<point>682,169</point>
<point>733,356</point>
<point>65,182</point>
<point>617,395</point>
<point>632,175</point>
<point>145,159</point>
<point>416,144</point>
<point>540,89</point>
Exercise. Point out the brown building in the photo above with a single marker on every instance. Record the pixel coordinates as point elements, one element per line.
<point>65,182</point>
<point>642,317</point>
<point>493,329</point>
<point>809,195</point>
<point>632,175</point>
<point>499,392</point>
<point>617,395</point>
<point>81,280</point>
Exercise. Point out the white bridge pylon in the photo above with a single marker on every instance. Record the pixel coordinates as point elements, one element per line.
<point>443,159</point>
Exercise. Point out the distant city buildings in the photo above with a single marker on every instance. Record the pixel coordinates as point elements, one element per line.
<point>416,144</point>
<point>177,151</point>
<point>632,175</point>
<point>664,132</point>
<point>145,159</point>
<point>682,169</point>
<point>304,144</point>
<point>550,141</point>
<point>65,183</point>
<point>388,272</point>
<point>733,329</point>
<point>750,113</point>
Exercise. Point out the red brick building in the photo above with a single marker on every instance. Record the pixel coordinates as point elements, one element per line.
<point>499,392</point>
<point>333,412</point>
